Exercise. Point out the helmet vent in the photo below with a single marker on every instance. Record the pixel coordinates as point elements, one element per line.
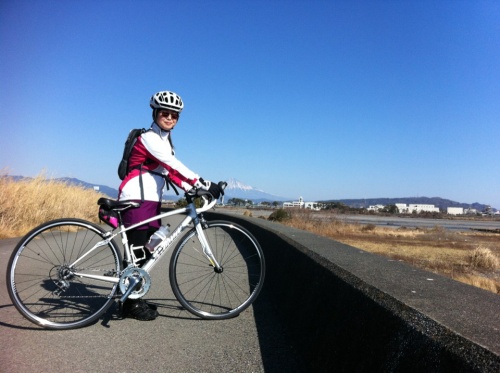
<point>166,100</point>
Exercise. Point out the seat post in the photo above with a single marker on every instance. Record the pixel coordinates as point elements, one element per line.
<point>119,213</point>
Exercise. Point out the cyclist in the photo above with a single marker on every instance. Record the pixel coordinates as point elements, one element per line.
<point>152,160</point>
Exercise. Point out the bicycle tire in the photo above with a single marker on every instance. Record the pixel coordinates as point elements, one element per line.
<point>206,293</point>
<point>38,270</point>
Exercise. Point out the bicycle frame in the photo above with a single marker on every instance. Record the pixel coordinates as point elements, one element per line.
<point>192,216</point>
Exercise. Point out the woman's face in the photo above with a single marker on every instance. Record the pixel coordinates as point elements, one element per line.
<point>167,119</point>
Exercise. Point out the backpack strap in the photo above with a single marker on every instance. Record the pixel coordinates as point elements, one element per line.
<point>168,182</point>
<point>141,184</point>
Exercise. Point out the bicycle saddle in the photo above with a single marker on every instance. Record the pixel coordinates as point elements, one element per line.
<point>112,204</point>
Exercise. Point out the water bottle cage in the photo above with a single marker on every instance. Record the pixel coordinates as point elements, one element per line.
<point>138,253</point>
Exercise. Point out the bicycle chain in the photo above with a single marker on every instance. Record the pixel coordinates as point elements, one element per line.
<point>81,296</point>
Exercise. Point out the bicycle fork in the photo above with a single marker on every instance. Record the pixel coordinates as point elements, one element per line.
<point>205,245</point>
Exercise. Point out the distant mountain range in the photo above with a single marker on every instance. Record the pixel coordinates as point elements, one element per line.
<point>110,192</point>
<point>234,189</point>
<point>237,189</point>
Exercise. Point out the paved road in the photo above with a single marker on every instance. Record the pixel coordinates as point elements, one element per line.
<point>175,342</point>
<point>460,225</point>
<point>394,222</point>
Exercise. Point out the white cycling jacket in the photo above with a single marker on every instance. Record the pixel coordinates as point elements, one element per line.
<point>153,150</point>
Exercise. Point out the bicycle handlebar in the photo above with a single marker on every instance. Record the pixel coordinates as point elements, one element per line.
<point>209,200</point>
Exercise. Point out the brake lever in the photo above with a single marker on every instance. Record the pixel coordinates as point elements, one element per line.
<point>202,193</point>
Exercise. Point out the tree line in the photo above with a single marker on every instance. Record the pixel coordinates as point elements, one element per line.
<point>247,202</point>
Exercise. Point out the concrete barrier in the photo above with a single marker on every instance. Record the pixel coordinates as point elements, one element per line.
<point>347,310</point>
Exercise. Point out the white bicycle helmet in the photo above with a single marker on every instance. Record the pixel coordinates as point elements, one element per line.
<point>166,100</point>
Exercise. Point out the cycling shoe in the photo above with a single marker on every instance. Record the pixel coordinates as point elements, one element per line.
<point>139,310</point>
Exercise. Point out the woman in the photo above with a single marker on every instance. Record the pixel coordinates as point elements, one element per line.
<point>151,161</point>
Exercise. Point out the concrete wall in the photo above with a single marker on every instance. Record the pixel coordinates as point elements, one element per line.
<point>350,311</point>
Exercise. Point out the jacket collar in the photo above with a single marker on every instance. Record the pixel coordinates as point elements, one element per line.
<point>163,134</point>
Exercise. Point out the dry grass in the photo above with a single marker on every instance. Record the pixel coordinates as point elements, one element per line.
<point>247,213</point>
<point>483,258</point>
<point>468,257</point>
<point>28,203</point>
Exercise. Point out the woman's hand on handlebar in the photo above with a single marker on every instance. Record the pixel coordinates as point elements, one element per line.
<point>216,190</point>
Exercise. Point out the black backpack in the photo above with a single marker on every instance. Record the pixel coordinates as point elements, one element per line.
<point>123,168</point>
<point>129,144</point>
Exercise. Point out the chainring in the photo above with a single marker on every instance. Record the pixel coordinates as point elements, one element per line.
<point>144,282</point>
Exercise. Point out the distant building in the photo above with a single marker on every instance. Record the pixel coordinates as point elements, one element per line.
<point>415,208</point>
<point>455,210</point>
<point>312,205</point>
<point>488,210</point>
<point>301,204</point>
<point>375,208</point>
<point>402,208</point>
<point>470,211</point>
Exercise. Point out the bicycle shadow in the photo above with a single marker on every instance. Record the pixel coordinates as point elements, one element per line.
<point>92,295</point>
<point>51,304</point>
<point>167,308</point>
<point>20,327</point>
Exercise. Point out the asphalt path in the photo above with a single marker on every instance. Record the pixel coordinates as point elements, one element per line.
<point>455,224</point>
<point>409,222</point>
<point>176,341</point>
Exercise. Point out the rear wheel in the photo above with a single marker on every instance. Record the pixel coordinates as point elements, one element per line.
<point>46,274</point>
<point>212,294</point>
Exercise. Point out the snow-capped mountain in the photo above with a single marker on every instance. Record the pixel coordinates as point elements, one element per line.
<point>236,184</point>
<point>237,189</point>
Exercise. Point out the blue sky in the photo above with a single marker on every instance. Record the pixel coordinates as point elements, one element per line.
<point>320,99</point>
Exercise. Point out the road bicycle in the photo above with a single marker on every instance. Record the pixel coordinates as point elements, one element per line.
<point>66,273</point>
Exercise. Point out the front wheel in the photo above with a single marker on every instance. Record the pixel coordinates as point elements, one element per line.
<point>210,293</point>
<point>47,274</point>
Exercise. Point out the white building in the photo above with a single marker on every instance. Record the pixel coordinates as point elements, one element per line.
<point>301,204</point>
<point>402,208</point>
<point>470,211</point>
<point>455,210</point>
<point>312,205</point>
<point>375,208</point>
<point>409,209</point>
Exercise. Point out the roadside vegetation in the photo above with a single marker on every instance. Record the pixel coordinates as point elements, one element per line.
<point>470,257</point>
<point>26,203</point>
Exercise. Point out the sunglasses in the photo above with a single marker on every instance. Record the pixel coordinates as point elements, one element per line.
<point>166,113</point>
